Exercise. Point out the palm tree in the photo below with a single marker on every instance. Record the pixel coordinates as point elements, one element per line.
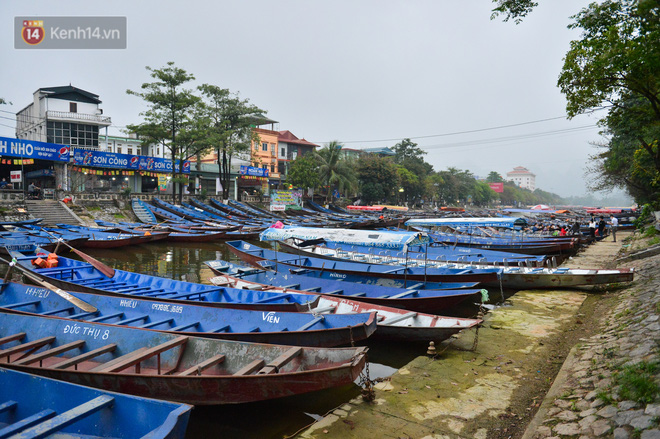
<point>334,170</point>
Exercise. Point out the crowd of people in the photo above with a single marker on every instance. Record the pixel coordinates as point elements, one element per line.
<point>597,227</point>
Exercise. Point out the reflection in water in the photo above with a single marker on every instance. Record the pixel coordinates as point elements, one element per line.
<point>267,419</point>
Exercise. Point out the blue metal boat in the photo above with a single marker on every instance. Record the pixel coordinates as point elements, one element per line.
<point>393,323</point>
<point>74,275</point>
<point>413,298</point>
<point>339,269</point>
<point>154,364</point>
<point>291,328</point>
<point>34,406</point>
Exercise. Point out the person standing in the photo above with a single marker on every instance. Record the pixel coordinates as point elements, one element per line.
<point>601,227</point>
<point>592,228</point>
<point>614,225</point>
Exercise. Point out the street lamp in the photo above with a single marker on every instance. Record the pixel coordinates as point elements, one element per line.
<point>401,195</point>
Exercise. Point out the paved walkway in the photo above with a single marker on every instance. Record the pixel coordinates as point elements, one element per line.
<point>599,392</point>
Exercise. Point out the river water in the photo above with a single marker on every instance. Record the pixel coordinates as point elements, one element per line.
<point>269,419</point>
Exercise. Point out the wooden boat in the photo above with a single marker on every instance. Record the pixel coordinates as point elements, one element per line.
<point>73,275</point>
<point>420,300</point>
<point>34,406</point>
<point>290,328</point>
<point>252,254</point>
<point>154,364</point>
<point>393,323</point>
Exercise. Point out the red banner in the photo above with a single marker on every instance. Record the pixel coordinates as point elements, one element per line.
<point>497,187</point>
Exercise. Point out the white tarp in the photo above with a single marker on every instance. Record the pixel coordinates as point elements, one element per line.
<point>372,238</point>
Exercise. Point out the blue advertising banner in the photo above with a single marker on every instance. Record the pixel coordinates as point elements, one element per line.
<point>114,160</point>
<point>34,150</point>
<point>254,172</point>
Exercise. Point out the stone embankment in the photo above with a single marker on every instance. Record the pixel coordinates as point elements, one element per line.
<point>608,386</point>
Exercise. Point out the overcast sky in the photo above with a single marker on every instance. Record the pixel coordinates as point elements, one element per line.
<point>366,73</point>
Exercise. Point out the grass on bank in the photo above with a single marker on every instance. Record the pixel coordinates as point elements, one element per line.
<point>639,382</point>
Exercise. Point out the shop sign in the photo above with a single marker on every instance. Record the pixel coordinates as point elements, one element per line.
<point>16,176</point>
<point>33,149</point>
<point>115,160</point>
<point>252,171</point>
<point>285,200</point>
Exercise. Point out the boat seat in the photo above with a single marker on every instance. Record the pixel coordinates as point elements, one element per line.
<point>400,318</point>
<point>414,287</point>
<point>512,269</point>
<point>17,427</point>
<point>107,317</point>
<point>536,270</point>
<point>334,292</point>
<point>29,346</point>
<point>50,352</point>
<point>74,361</point>
<point>13,337</point>
<point>184,327</point>
<point>286,297</point>
<point>82,315</point>
<point>21,304</point>
<point>156,323</point>
<point>132,319</point>
<point>206,364</point>
<point>464,271</point>
<point>57,423</point>
<point>7,406</point>
<point>311,323</point>
<point>394,270</point>
<point>136,357</point>
<point>313,289</point>
<point>57,311</point>
<point>361,294</point>
<point>226,328</point>
<point>404,294</point>
<point>275,365</point>
<point>299,270</point>
<point>561,270</point>
<point>291,286</point>
<point>248,369</point>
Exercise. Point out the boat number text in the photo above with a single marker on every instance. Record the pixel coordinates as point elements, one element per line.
<point>88,331</point>
<point>338,275</point>
<point>270,317</point>
<point>167,307</point>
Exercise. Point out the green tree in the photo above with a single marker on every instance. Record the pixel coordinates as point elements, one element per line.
<point>170,105</point>
<point>227,126</point>
<point>335,171</point>
<point>494,177</point>
<point>409,156</point>
<point>304,172</point>
<point>409,182</point>
<point>616,63</point>
<point>378,178</point>
<point>513,9</point>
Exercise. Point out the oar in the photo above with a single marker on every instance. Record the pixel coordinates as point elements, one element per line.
<point>63,294</point>
<point>100,266</point>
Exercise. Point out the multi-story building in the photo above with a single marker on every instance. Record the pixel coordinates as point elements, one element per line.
<point>66,115</point>
<point>289,148</point>
<point>522,177</point>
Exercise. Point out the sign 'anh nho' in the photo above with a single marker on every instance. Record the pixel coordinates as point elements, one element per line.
<point>35,150</point>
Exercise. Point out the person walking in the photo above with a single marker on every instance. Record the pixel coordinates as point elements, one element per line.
<point>614,225</point>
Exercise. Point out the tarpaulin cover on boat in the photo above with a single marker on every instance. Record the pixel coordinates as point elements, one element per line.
<point>371,238</point>
<point>467,222</point>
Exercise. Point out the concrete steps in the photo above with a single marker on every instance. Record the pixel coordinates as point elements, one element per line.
<point>52,212</point>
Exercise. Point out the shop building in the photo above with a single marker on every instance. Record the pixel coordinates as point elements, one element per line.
<point>522,177</point>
